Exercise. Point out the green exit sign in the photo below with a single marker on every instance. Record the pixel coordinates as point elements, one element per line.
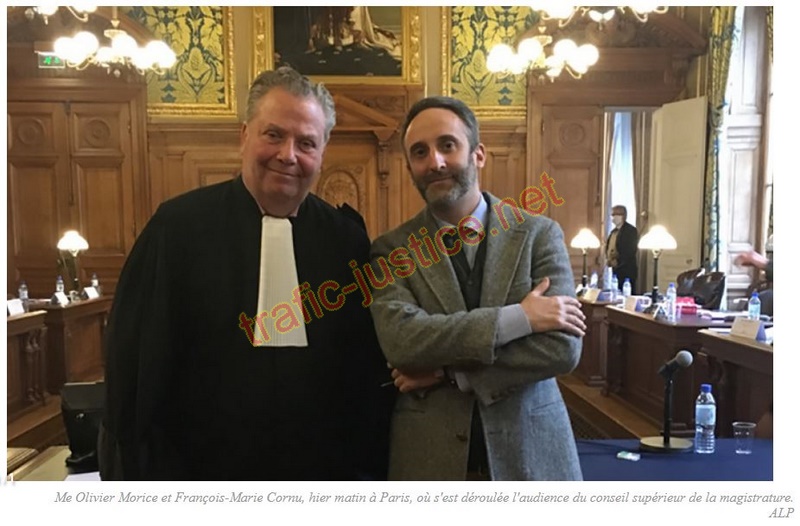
<point>49,60</point>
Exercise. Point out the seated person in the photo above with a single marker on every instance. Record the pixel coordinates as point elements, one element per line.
<point>754,259</point>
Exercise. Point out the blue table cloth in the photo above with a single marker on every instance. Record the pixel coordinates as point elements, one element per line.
<point>599,462</point>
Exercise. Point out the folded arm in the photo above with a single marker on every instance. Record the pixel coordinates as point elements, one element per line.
<point>416,341</point>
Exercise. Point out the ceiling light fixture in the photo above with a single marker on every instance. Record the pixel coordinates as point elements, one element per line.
<point>84,49</point>
<point>80,11</point>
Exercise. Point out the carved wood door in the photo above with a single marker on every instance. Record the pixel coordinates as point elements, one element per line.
<point>38,164</point>
<point>572,138</point>
<point>70,167</point>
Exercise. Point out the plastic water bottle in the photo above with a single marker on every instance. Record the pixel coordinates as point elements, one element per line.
<point>614,283</point>
<point>672,302</point>
<point>705,419</point>
<point>59,284</point>
<point>607,275</point>
<point>593,280</point>
<point>96,284</point>
<point>754,307</point>
<point>22,293</point>
<point>626,288</point>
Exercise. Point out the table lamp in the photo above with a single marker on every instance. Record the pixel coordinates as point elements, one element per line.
<point>69,246</point>
<point>584,241</point>
<point>657,240</point>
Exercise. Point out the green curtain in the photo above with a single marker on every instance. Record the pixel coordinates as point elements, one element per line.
<point>720,43</point>
<point>769,30</point>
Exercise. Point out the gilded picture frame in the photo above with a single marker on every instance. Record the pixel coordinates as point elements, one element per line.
<point>372,55</point>
<point>202,81</point>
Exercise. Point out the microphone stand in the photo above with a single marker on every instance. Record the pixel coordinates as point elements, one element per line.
<point>664,443</point>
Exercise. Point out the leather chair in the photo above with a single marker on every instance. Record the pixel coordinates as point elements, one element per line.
<point>685,281</point>
<point>708,289</point>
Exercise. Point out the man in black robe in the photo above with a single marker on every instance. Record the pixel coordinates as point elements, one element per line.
<point>191,393</point>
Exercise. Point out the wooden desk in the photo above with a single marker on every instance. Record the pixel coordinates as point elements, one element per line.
<point>75,342</point>
<point>592,366</point>
<point>638,345</point>
<point>741,371</point>
<point>27,344</point>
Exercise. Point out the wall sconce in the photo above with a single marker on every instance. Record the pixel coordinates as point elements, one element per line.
<point>584,241</point>
<point>69,246</point>
<point>657,240</point>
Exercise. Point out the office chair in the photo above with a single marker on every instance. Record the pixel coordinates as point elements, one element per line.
<point>708,290</point>
<point>685,281</point>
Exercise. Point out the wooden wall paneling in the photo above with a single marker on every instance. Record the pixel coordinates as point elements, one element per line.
<point>185,156</point>
<point>412,200</point>
<point>350,175</point>
<point>97,182</point>
<point>504,174</point>
<point>38,173</point>
<point>103,187</point>
<point>205,168</point>
<point>26,344</point>
<point>572,154</point>
<point>396,186</point>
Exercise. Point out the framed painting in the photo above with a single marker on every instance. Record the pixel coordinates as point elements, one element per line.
<point>340,44</point>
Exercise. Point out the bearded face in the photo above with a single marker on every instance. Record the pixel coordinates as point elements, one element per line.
<point>445,187</point>
<point>443,166</point>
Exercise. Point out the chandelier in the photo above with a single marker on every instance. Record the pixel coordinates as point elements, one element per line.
<point>83,49</point>
<point>531,55</point>
<point>80,11</point>
<point>546,60</point>
<point>600,14</point>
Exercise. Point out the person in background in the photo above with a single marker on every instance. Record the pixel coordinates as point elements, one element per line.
<point>221,365</point>
<point>622,246</point>
<point>753,259</point>
<point>477,325</point>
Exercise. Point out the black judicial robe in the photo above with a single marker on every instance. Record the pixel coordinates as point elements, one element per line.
<point>189,397</point>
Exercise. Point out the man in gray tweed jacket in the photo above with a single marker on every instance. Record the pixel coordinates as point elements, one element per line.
<point>475,311</point>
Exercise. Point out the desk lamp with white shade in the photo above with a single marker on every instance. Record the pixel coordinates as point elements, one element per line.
<point>69,246</point>
<point>657,240</point>
<point>584,240</point>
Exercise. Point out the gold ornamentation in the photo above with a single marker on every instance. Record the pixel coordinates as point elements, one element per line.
<point>202,82</point>
<point>264,55</point>
<point>467,35</point>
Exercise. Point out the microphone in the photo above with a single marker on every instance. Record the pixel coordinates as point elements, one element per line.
<point>665,443</point>
<point>682,360</point>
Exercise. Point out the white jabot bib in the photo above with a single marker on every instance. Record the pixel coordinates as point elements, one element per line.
<point>277,314</point>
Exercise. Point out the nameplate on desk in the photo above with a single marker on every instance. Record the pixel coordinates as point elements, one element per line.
<point>15,307</point>
<point>591,295</point>
<point>59,298</point>
<point>90,293</point>
<point>750,329</point>
<point>630,303</point>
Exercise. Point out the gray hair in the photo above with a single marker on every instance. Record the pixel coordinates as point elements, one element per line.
<point>293,82</point>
